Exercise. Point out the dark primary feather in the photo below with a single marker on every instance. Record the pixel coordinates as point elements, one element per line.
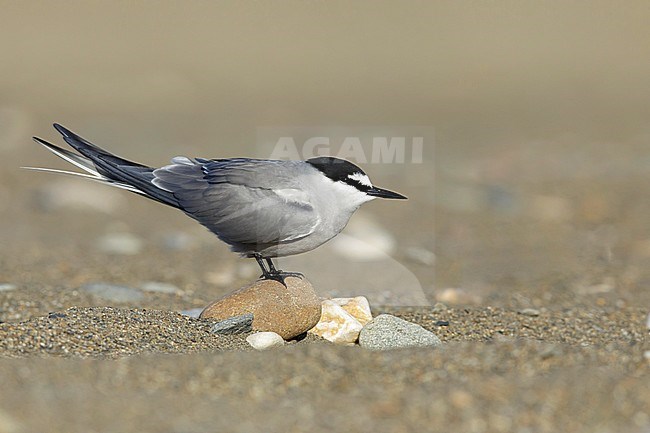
<point>116,168</point>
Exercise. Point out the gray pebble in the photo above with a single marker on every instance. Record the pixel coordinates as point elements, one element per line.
<point>234,325</point>
<point>114,293</point>
<point>7,287</point>
<point>154,286</point>
<point>389,332</point>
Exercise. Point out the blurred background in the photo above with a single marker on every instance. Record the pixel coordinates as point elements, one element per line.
<point>533,190</point>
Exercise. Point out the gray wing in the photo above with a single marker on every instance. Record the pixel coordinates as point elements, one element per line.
<point>232,198</point>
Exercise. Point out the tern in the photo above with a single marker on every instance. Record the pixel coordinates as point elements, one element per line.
<point>261,208</point>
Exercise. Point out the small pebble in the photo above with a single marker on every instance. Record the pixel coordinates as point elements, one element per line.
<point>234,325</point>
<point>192,312</point>
<point>113,293</point>
<point>120,244</point>
<point>153,286</point>
<point>532,312</point>
<point>7,287</point>
<point>442,323</point>
<point>386,332</point>
<point>264,340</point>
<point>647,322</point>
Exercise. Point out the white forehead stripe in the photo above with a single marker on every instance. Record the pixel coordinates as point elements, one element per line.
<point>361,178</point>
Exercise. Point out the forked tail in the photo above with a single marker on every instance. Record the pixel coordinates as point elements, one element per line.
<point>102,166</point>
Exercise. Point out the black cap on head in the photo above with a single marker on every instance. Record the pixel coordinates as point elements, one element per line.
<point>334,168</point>
<point>340,170</point>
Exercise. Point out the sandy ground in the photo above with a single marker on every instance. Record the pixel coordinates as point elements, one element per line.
<point>524,245</point>
<point>151,370</point>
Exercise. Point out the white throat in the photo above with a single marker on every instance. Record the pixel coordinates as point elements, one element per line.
<point>350,195</point>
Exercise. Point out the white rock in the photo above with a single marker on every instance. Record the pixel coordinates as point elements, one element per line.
<point>264,340</point>
<point>358,307</point>
<point>336,324</point>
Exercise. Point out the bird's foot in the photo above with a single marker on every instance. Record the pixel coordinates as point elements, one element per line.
<point>272,273</point>
<point>279,276</point>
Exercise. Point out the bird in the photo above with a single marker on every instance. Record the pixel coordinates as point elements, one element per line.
<point>261,208</point>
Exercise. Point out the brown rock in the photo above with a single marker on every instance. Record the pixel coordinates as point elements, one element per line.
<point>286,310</point>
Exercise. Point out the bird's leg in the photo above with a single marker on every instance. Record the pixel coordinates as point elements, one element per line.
<point>271,266</point>
<point>272,273</point>
<point>265,274</point>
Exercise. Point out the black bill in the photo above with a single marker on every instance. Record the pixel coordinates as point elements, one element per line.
<point>384,193</point>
